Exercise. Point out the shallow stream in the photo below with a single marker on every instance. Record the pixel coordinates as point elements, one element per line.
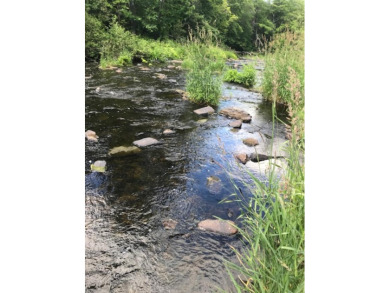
<point>127,247</point>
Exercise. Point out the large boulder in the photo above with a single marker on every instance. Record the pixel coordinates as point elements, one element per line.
<point>204,111</point>
<point>148,141</point>
<point>235,113</point>
<point>124,151</point>
<point>218,226</point>
<point>91,135</point>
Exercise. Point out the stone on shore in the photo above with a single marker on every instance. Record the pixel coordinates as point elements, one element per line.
<point>235,113</point>
<point>146,142</point>
<point>218,226</point>
<point>169,224</point>
<point>98,166</point>
<point>250,141</point>
<point>91,135</point>
<point>236,124</point>
<point>242,158</point>
<point>176,61</point>
<point>204,111</point>
<point>122,151</point>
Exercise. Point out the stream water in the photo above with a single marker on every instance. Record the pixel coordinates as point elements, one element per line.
<point>127,248</point>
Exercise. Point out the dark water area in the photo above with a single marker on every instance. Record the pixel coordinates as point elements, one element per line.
<point>127,247</point>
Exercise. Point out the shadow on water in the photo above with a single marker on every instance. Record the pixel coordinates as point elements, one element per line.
<point>127,247</point>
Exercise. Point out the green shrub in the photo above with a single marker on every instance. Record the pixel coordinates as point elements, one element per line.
<point>247,77</point>
<point>94,37</point>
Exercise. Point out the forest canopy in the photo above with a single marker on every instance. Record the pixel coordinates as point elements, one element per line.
<point>243,25</point>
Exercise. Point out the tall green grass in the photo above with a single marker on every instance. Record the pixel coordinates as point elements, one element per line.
<point>205,63</point>
<point>273,222</point>
<point>283,54</point>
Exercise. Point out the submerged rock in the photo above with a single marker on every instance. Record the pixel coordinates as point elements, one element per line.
<point>98,166</point>
<point>91,135</point>
<point>124,151</point>
<point>169,224</point>
<point>204,111</point>
<point>236,124</point>
<point>250,141</point>
<point>218,226</point>
<point>242,158</point>
<point>146,142</point>
<point>143,68</point>
<point>118,70</point>
<point>201,121</point>
<point>171,66</point>
<point>214,184</point>
<point>236,113</point>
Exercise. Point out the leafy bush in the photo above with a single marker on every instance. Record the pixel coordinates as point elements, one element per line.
<point>94,37</point>
<point>247,77</point>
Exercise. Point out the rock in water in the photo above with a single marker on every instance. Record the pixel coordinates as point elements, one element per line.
<point>255,157</point>
<point>98,166</point>
<point>243,158</point>
<point>161,76</point>
<point>218,226</point>
<point>236,124</point>
<point>204,111</point>
<point>91,135</point>
<point>169,224</point>
<point>146,142</point>
<point>168,131</point>
<point>214,184</point>
<point>124,151</point>
<point>236,113</point>
<point>250,141</point>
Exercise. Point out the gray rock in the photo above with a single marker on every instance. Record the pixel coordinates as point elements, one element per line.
<point>278,166</point>
<point>172,80</point>
<point>124,151</point>
<point>218,226</point>
<point>91,135</point>
<point>250,141</point>
<point>256,157</point>
<point>146,142</point>
<point>273,147</point>
<point>235,113</point>
<point>204,111</point>
<point>236,124</point>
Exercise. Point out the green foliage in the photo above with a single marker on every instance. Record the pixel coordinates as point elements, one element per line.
<point>273,257</point>
<point>285,53</point>
<point>244,25</point>
<point>94,37</point>
<point>247,77</point>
